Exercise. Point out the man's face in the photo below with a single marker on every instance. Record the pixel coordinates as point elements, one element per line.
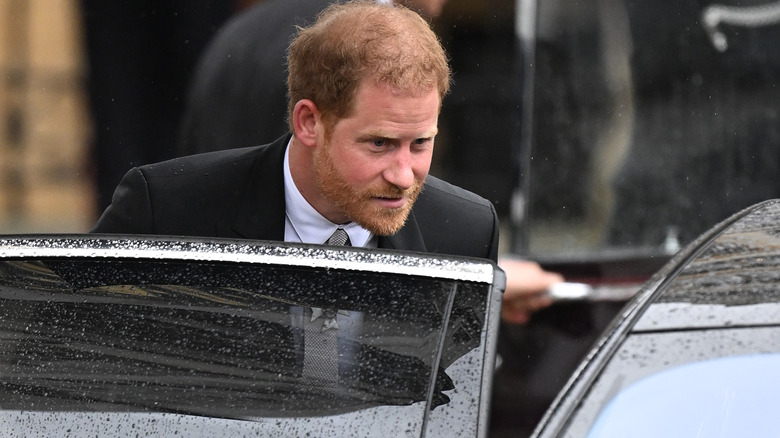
<point>373,165</point>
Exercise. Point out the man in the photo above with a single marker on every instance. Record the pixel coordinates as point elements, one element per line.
<point>366,83</point>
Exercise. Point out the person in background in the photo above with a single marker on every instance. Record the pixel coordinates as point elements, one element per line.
<point>526,289</point>
<point>140,55</point>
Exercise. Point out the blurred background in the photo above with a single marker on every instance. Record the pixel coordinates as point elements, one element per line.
<point>608,133</point>
<point>45,183</point>
<point>600,126</point>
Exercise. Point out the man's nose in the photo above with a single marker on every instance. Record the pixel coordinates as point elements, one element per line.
<point>399,171</point>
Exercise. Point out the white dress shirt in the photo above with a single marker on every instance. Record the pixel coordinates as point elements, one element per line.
<point>305,224</point>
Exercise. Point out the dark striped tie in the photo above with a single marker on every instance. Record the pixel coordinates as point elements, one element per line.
<point>320,358</point>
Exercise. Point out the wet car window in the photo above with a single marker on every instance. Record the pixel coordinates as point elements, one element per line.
<point>657,357</point>
<point>120,340</point>
<point>731,396</point>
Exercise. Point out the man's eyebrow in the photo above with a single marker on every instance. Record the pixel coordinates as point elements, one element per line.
<point>432,133</point>
<point>391,136</point>
<point>386,134</point>
<point>377,134</point>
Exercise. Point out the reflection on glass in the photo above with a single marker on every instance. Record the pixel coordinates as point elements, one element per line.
<point>225,340</point>
<point>645,133</point>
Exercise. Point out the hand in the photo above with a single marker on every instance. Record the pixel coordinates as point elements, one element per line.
<point>526,283</point>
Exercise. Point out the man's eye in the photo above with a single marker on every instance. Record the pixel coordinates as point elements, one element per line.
<point>379,143</point>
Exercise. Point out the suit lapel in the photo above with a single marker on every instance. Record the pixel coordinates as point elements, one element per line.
<point>261,214</point>
<point>407,238</point>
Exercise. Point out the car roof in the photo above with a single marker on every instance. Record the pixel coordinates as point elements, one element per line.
<point>730,278</point>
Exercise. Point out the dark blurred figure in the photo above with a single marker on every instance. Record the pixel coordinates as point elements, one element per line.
<point>481,118</point>
<point>239,90</point>
<point>140,56</point>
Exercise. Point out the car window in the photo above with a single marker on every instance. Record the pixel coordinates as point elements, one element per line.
<point>730,396</point>
<point>653,365</point>
<point>130,342</point>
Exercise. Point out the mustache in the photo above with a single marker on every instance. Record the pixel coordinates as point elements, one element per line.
<point>393,191</point>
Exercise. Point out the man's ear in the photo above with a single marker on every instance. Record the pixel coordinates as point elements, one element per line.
<point>307,122</point>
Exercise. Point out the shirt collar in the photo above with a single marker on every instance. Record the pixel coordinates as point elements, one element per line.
<point>305,224</point>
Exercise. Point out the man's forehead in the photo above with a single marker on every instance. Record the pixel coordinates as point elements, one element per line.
<point>368,92</point>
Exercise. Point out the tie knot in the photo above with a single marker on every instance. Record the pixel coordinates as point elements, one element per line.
<point>339,238</point>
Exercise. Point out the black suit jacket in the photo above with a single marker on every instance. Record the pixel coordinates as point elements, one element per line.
<point>239,193</point>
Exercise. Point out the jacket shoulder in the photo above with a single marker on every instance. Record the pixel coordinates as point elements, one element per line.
<point>453,220</point>
<point>195,195</point>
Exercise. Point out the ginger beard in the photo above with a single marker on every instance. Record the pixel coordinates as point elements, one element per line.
<point>358,203</point>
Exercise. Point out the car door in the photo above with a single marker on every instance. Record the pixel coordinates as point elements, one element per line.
<point>112,336</point>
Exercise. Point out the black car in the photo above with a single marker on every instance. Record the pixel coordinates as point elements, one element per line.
<point>696,352</point>
<point>153,336</point>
